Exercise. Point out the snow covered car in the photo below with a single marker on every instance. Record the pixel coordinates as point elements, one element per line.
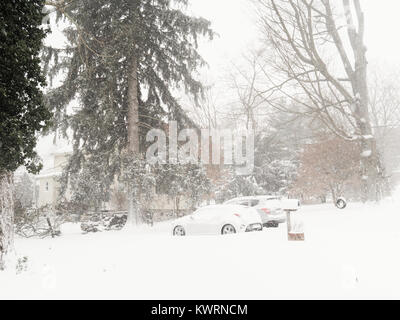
<point>218,219</point>
<point>268,207</point>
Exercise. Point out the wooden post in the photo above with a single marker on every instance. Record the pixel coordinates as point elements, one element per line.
<point>294,226</point>
<point>294,232</point>
<point>288,221</point>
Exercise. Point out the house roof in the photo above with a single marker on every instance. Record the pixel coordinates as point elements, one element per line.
<point>53,172</point>
<point>62,151</point>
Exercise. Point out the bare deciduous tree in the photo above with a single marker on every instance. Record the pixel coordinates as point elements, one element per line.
<point>204,112</point>
<point>246,81</point>
<point>384,99</point>
<point>319,61</point>
<point>328,166</point>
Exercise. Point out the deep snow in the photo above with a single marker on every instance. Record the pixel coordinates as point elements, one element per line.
<point>351,253</point>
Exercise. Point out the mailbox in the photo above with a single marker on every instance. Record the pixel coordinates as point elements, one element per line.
<point>290,205</point>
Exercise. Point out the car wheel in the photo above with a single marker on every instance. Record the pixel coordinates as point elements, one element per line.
<point>228,229</point>
<point>341,203</point>
<point>179,231</point>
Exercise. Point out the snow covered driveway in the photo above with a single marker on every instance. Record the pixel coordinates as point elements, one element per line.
<point>352,253</point>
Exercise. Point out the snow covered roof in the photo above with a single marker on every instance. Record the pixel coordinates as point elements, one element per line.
<point>62,150</point>
<point>53,172</point>
<point>255,197</point>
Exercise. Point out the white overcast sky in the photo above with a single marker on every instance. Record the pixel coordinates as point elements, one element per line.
<point>234,21</point>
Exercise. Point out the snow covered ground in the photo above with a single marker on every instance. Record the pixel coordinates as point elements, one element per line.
<point>353,253</point>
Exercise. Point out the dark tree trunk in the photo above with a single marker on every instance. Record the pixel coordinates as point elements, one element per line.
<point>6,216</point>
<point>370,158</point>
<point>133,136</point>
<point>368,147</point>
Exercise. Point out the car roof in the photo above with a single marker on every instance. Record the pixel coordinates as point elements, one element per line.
<point>267,197</point>
<point>221,206</point>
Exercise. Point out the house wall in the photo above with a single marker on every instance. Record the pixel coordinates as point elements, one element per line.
<point>160,202</point>
<point>47,191</point>
<point>48,186</point>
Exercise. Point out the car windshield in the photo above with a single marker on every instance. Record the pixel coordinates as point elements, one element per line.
<point>199,211</point>
<point>275,203</point>
<point>206,211</point>
<point>254,202</point>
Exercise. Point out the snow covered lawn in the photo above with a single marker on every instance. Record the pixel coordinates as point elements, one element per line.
<point>352,253</point>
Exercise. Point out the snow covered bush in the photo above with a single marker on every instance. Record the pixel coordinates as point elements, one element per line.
<point>98,222</point>
<point>22,265</point>
<point>91,226</point>
<point>276,162</point>
<point>182,180</point>
<point>23,191</point>
<point>236,186</point>
<point>90,185</point>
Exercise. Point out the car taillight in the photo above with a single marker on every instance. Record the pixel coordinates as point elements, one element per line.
<point>267,211</point>
<point>237,215</point>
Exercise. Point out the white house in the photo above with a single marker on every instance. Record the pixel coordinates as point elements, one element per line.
<point>47,184</point>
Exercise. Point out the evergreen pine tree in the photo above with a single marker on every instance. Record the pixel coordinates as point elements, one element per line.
<point>124,61</point>
<point>22,110</point>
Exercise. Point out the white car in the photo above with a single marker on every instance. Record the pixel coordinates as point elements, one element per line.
<point>218,219</point>
<point>268,207</point>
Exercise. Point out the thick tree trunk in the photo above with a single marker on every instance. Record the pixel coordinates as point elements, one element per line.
<point>6,216</point>
<point>363,120</point>
<point>370,159</point>
<point>133,136</point>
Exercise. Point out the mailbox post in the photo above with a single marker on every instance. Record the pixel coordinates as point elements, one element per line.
<point>295,228</point>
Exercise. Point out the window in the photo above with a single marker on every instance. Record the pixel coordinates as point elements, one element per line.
<point>47,186</point>
<point>198,211</point>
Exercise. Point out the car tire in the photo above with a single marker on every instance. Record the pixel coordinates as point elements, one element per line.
<point>179,231</point>
<point>228,229</point>
<point>341,203</point>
